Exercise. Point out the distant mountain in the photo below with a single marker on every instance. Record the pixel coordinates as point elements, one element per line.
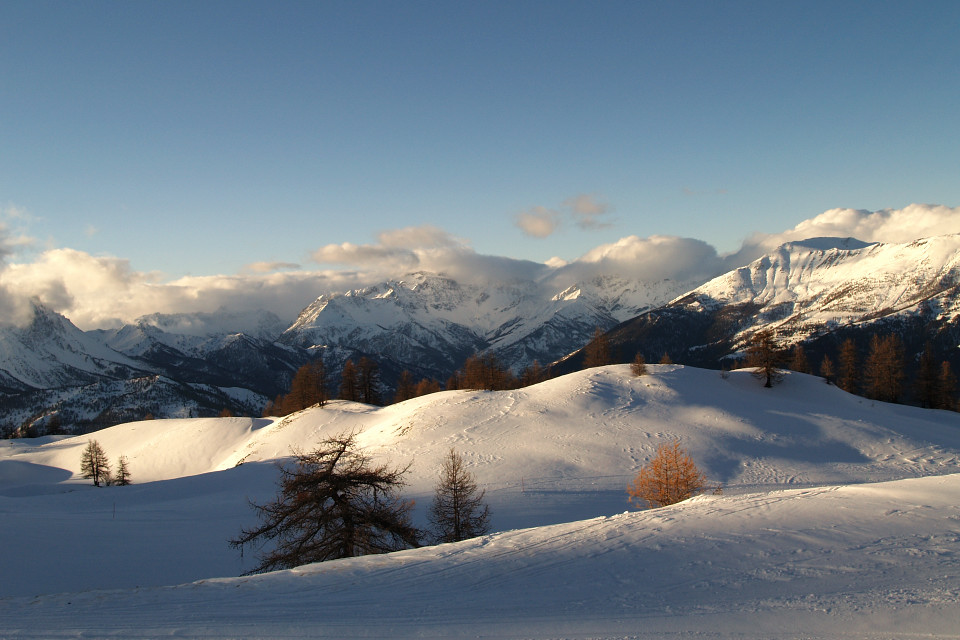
<point>55,376</point>
<point>816,292</point>
<point>51,352</point>
<point>430,323</point>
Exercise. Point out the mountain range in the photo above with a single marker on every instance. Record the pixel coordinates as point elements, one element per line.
<point>816,292</point>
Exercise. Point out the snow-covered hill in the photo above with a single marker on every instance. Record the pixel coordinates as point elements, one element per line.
<point>870,562</point>
<point>553,453</point>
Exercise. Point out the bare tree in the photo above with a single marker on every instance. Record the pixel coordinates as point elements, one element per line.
<point>333,503</point>
<point>458,511</point>
<point>670,477</point>
<point>94,464</point>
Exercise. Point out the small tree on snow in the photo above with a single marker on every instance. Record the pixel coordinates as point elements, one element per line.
<point>639,366</point>
<point>333,503</point>
<point>94,464</point>
<point>458,511</point>
<point>122,478</point>
<point>763,355</point>
<point>670,477</point>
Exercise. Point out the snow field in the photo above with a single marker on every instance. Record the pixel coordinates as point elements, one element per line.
<point>870,560</point>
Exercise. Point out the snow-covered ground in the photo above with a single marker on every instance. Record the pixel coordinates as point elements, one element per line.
<point>840,518</point>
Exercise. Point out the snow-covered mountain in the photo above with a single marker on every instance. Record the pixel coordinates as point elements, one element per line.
<point>430,323</point>
<point>53,375</point>
<point>816,291</point>
<point>51,352</point>
<point>838,519</point>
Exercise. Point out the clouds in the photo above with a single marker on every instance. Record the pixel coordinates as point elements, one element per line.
<point>105,291</point>
<point>538,222</point>
<point>585,211</point>
<point>653,259</point>
<point>910,223</point>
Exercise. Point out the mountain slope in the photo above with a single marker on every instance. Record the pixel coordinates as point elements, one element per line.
<point>817,291</point>
<point>430,323</point>
<point>51,352</point>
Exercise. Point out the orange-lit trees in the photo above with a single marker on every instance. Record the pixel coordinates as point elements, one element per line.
<point>670,477</point>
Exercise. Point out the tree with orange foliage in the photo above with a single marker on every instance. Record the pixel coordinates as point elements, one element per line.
<point>670,477</point>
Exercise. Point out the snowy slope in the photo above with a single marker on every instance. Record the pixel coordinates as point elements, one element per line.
<point>869,561</point>
<point>556,452</point>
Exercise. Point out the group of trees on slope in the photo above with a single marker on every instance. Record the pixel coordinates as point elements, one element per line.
<point>94,465</point>
<point>880,374</point>
<point>334,502</point>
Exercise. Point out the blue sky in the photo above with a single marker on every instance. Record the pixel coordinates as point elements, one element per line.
<point>201,137</point>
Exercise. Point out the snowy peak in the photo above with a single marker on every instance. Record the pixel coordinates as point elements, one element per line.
<point>51,352</point>
<point>432,321</point>
<point>818,284</point>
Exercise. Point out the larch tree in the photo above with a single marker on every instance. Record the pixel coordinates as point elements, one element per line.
<point>406,387</point>
<point>94,464</point>
<point>426,386</point>
<point>597,351</point>
<point>349,382</point>
<point>798,360</point>
<point>849,374</point>
<point>671,476</point>
<point>332,503</point>
<point>458,511</point>
<point>946,388</point>
<point>883,373</point>
<point>764,357</point>
<point>368,381</point>
<point>827,372</point>
<point>925,386</point>
<point>639,366</point>
<point>122,478</point>
<point>308,387</point>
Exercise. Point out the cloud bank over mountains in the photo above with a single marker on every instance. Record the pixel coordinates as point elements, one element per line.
<point>98,291</point>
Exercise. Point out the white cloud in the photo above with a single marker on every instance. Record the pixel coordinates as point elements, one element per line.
<point>910,223</point>
<point>538,222</point>
<point>587,211</point>
<point>423,237</point>
<point>98,291</point>
<point>654,258</point>
<point>269,267</point>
